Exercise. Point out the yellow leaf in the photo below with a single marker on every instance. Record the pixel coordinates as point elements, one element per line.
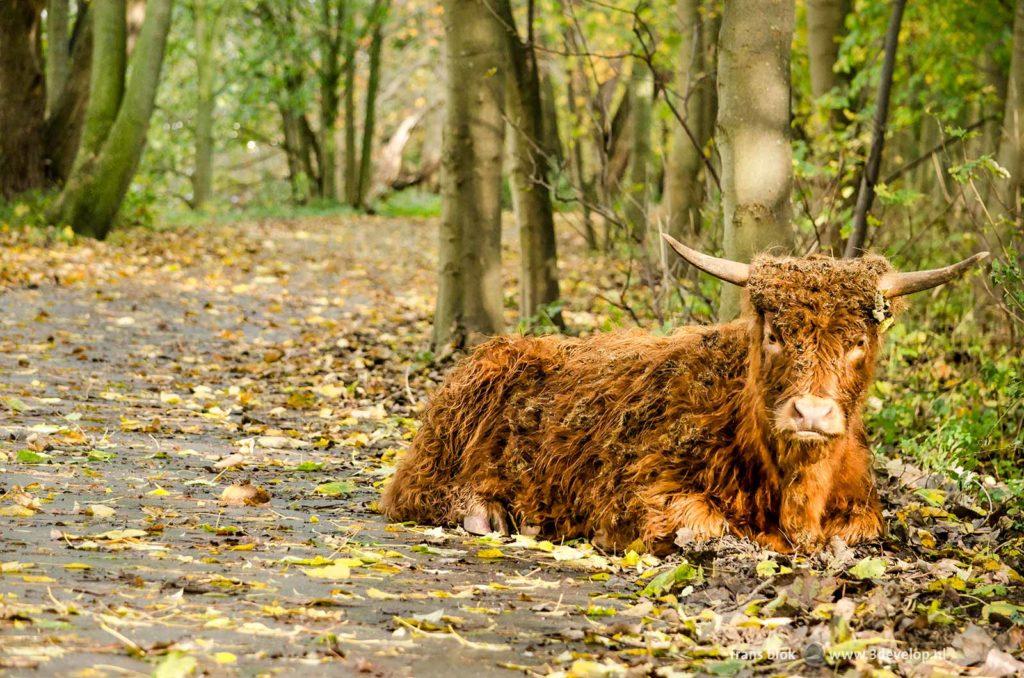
<point>77,566</point>
<point>16,511</point>
<point>121,534</point>
<point>377,594</point>
<point>244,547</point>
<point>14,566</point>
<point>490,553</point>
<point>338,570</point>
<point>37,579</point>
<point>99,511</point>
<point>225,658</point>
<point>158,492</point>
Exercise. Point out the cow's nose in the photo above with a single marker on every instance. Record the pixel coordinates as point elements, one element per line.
<point>817,414</point>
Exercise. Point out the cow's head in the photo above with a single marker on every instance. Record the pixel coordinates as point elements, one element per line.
<point>816,325</point>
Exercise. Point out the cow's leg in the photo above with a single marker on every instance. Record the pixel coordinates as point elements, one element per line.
<point>859,522</point>
<point>484,517</point>
<point>684,518</point>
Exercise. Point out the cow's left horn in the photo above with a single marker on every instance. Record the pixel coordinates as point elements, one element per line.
<point>899,284</point>
<point>723,269</point>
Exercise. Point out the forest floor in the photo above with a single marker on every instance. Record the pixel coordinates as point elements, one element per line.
<point>143,378</point>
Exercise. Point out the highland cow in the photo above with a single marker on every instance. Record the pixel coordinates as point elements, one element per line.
<point>752,427</point>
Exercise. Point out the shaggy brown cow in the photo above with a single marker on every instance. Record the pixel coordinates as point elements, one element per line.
<point>752,427</point>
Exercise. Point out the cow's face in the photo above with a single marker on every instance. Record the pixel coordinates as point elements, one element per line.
<point>816,325</point>
<point>814,339</point>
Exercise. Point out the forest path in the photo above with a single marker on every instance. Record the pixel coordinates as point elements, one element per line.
<point>131,370</point>
<point>127,382</point>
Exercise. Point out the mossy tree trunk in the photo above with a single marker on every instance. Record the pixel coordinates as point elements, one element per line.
<point>58,57</point>
<point>117,118</point>
<point>469,299</point>
<point>67,114</point>
<point>753,131</point>
<point>530,172</point>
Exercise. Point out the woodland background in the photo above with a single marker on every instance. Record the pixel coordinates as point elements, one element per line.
<point>470,167</point>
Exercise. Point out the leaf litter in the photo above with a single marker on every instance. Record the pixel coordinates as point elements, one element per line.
<point>195,430</point>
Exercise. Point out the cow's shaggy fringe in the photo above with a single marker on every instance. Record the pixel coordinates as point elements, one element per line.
<point>625,436</point>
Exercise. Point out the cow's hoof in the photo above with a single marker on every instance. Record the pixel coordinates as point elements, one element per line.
<point>484,518</point>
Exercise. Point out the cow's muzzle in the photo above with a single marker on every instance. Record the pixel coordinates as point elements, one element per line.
<point>811,418</point>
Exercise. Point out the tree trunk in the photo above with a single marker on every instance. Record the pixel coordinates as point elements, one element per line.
<point>824,27</point>
<point>351,170</point>
<point>65,119</point>
<point>753,131</point>
<point>58,56</point>
<point>637,184</point>
<point>202,173</point>
<point>378,16</point>
<point>547,99</point>
<point>22,98</point>
<point>105,166</point>
<point>469,299</point>
<point>578,167</point>
<point>683,190</point>
<point>330,75</point>
<point>1011,143</point>
<point>531,194</point>
<point>869,177</point>
<point>106,80</point>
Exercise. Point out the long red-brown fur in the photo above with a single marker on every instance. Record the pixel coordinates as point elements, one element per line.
<point>625,436</point>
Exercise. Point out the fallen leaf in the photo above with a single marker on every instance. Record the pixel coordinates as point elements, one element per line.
<point>244,495</point>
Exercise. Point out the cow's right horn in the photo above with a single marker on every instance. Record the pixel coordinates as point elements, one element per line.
<point>723,269</point>
<point>899,284</point>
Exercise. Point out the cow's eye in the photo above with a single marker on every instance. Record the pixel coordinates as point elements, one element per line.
<point>859,348</point>
<point>771,337</point>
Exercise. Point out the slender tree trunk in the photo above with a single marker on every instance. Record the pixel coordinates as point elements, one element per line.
<point>552,141</point>
<point>378,16</point>
<point>330,75</point>
<point>105,166</point>
<point>578,166</point>
<point>531,195</point>
<point>683,189</point>
<point>205,30</point>
<point>753,131</point>
<point>351,167</point>
<point>22,98</point>
<point>1011,142</point>
<point>638,182</point>
<point>58,56</point>
<point>469,299</point>
<point>65,119</point>
<point>866,194</point>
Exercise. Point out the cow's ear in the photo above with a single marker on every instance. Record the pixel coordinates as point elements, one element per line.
<point>898,284</point>
<point>724,269</point>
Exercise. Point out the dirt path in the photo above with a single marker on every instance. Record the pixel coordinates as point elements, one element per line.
<point>297,350</point>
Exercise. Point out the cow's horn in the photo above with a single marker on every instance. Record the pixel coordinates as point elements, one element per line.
<point>724,269</point>
<point>898,284</point>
